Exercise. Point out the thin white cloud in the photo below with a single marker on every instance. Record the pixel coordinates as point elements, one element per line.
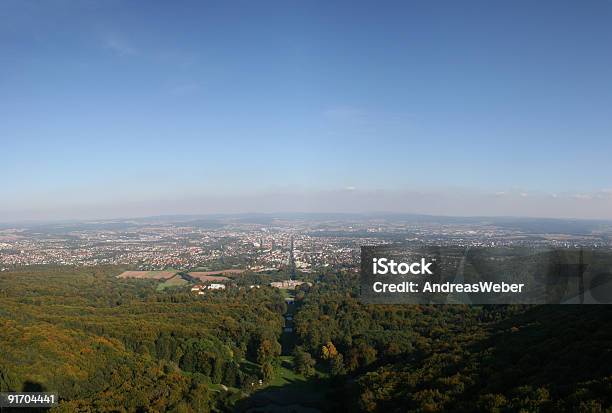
<point>186,88</point>
<point>118,44</point>
<point>582,196</point>
<point>604,194</point>
<point>343,113</point>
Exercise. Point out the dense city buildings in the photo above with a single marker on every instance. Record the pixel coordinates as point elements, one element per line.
<point>270,243</point>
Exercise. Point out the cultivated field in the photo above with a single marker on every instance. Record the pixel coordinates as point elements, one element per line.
<point>213,275</point>
<point>230,271</point>
<point>204,276</point>
<point>148,275</point>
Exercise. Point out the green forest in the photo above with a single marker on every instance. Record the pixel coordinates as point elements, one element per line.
<point>114,345</point>
<point>458,358</point>
<point>106,344</point>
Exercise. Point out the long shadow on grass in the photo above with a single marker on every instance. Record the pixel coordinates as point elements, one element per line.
<point>297,395</point>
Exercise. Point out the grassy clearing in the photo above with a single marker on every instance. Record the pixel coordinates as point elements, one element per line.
<point>285,374</point>
<point>289,389</point>
<point>176,281</point>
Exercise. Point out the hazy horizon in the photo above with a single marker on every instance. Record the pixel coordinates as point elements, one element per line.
<point>470,204</point>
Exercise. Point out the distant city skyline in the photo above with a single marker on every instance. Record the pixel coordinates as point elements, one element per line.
<point>475,108</point>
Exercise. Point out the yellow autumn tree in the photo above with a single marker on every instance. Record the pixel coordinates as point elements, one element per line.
<point>329,351</point>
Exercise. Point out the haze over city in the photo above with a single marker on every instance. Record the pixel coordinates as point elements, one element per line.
<point>122,109</point>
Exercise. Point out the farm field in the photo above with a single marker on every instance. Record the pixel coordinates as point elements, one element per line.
<point>218,272</point>
<point>148,275</point>
<point>207,278</point>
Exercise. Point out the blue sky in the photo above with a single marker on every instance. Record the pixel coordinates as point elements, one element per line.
<point>125,107</point>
